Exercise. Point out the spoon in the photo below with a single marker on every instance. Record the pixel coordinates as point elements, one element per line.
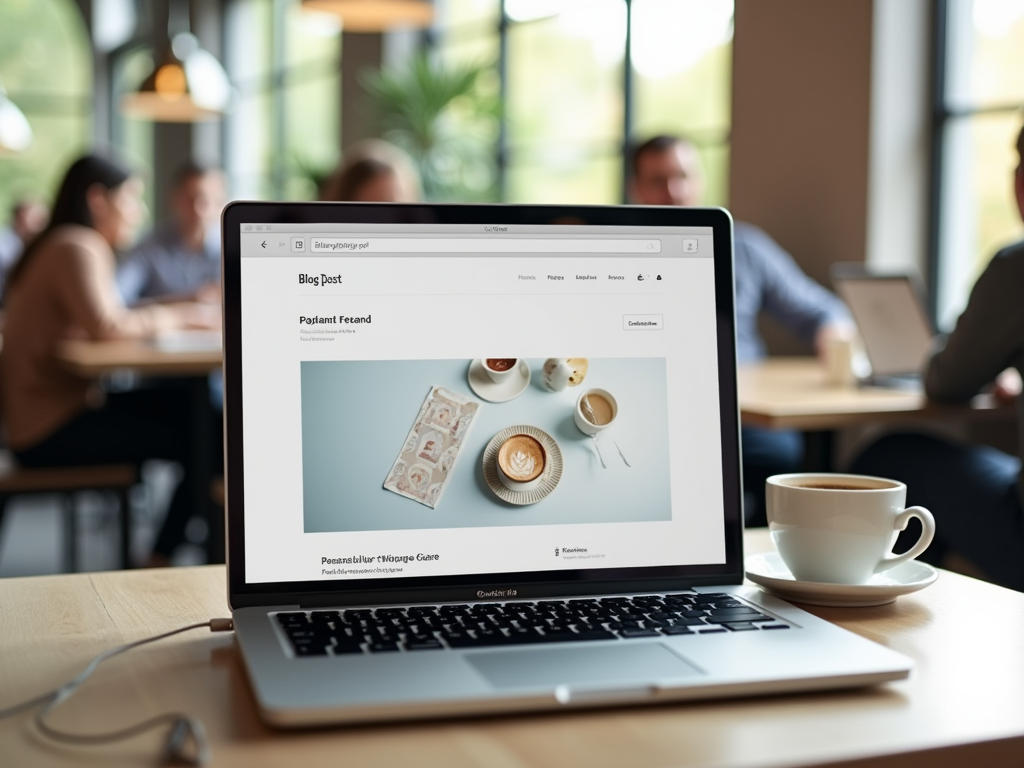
<point>588,411</point>
<point>621,454</point>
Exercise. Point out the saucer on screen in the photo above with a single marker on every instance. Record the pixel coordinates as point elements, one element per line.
<point>509,389</point>
<point>548,480</point>
<point>767,570</point>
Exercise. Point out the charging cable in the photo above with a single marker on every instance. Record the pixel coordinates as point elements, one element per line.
<point>186,741</point>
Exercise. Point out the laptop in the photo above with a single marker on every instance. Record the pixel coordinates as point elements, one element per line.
<point>891,320</point>
<point>389,553</point>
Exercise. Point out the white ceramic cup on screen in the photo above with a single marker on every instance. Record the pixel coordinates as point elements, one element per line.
<point>841,529</point>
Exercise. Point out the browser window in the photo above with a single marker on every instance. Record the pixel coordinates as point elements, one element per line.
<point>459,403</point>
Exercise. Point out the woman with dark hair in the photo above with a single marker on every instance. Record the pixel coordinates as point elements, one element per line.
<point>373,171</point>
<point>63,288</point>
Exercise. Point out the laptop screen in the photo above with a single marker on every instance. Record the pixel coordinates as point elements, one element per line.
<point>465,403</point>
<point>890,319</point>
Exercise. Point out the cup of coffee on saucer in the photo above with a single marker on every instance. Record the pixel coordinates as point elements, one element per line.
<point>596,410</point>
<point>499,369</point>
<point>840,529</point>
<point>521,462</point>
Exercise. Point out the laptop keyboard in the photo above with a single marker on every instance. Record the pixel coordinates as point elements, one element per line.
<point>481,625</point>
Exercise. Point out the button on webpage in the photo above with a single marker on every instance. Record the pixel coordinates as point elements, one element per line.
<point>643,322</point>
<point>298,243</point>
<point>689,246</point>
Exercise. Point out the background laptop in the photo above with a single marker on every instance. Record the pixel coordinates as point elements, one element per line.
<point>891,320</point>
<point>376,568</point>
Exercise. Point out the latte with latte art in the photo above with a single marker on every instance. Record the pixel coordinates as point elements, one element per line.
<point>522,458</point>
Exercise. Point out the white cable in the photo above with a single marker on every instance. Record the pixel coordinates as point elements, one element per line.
<point>183,728</point>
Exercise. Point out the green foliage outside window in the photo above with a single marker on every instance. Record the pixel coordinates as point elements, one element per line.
<point>446,118</point>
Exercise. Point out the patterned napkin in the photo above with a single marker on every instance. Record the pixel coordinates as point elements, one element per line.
<point>431,450</point>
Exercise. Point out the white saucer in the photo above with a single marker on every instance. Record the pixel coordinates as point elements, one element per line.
<point>768,570</point>
<point>509,389</point>
<point>549,479</point>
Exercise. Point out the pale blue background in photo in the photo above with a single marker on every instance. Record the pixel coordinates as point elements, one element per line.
<point>356,416</point>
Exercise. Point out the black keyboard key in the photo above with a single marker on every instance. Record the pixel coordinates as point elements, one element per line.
<point>324,617</point>
<point>382,647</point>
<point>482,641</point>
<point>711,598</point>
<point>286,619</point>
<point>736,615</point>
<point>344,649</point>
<point>694,614</point>
<point>640,633</point>
<point>694,622</point>
<point>677,630</point>
<point>775,626</point>
<point>422,645</point>
<point>740,626</point>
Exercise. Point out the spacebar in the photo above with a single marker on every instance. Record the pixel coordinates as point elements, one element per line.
<point>493,640</point>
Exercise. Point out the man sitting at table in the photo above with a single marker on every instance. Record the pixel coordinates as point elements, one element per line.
<point>180,260</point>
<point>667,171</point>
<point>974,491</point>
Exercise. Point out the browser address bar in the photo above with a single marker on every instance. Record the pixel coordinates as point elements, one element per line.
<point>480,245</point>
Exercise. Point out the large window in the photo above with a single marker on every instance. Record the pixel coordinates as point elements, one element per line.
<point>981,100</point>
<point>572,100</point>
<point>283,133</point>
<point>45,65</point>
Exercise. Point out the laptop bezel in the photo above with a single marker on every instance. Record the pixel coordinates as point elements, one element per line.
<point>527,585</point>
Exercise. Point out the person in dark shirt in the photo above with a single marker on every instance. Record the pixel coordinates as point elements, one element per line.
<point>667,171</point>
<point>974,491</point>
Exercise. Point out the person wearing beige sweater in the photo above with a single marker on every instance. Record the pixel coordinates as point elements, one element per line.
<point>63,287</point>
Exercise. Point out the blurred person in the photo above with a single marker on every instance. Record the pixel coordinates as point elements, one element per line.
<point>27,220</point>
<point>667,170</point>
<point>181,259</point>
<point>63,288</point>
<point>973,491</point>
<point>373,171</point>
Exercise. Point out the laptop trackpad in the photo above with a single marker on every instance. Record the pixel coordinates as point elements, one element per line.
<point>630,663</point>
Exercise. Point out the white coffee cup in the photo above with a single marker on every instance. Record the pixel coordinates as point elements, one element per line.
<point>599,404</point>
<point>500,369</point>
<point>841,528</point>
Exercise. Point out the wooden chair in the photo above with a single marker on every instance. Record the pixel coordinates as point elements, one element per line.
<point>66,482</point>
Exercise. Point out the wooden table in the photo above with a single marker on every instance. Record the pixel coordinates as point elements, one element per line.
<point>962,706</point>
<point>792,393</point>
<point>92,359</point>
<point>95,359</point>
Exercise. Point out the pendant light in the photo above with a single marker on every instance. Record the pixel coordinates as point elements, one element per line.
<point>15,132</point>
<point>375,15</point>
<point>188,84</point>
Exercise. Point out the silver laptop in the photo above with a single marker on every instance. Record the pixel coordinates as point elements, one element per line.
<point>891,321</point>
<point>485,459</point>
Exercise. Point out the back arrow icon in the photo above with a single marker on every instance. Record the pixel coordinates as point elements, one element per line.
<point>264,243</point>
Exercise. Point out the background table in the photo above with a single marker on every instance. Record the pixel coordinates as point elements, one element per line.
<point>962,705</point>
<point>95,359</point>
<point>792,393</point>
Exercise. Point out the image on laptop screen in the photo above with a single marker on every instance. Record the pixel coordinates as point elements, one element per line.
<point>434,402</point>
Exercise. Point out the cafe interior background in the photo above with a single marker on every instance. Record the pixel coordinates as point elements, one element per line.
<point>868,130</point>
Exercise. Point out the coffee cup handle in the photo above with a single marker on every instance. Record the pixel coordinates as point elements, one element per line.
<point>927,534</point>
